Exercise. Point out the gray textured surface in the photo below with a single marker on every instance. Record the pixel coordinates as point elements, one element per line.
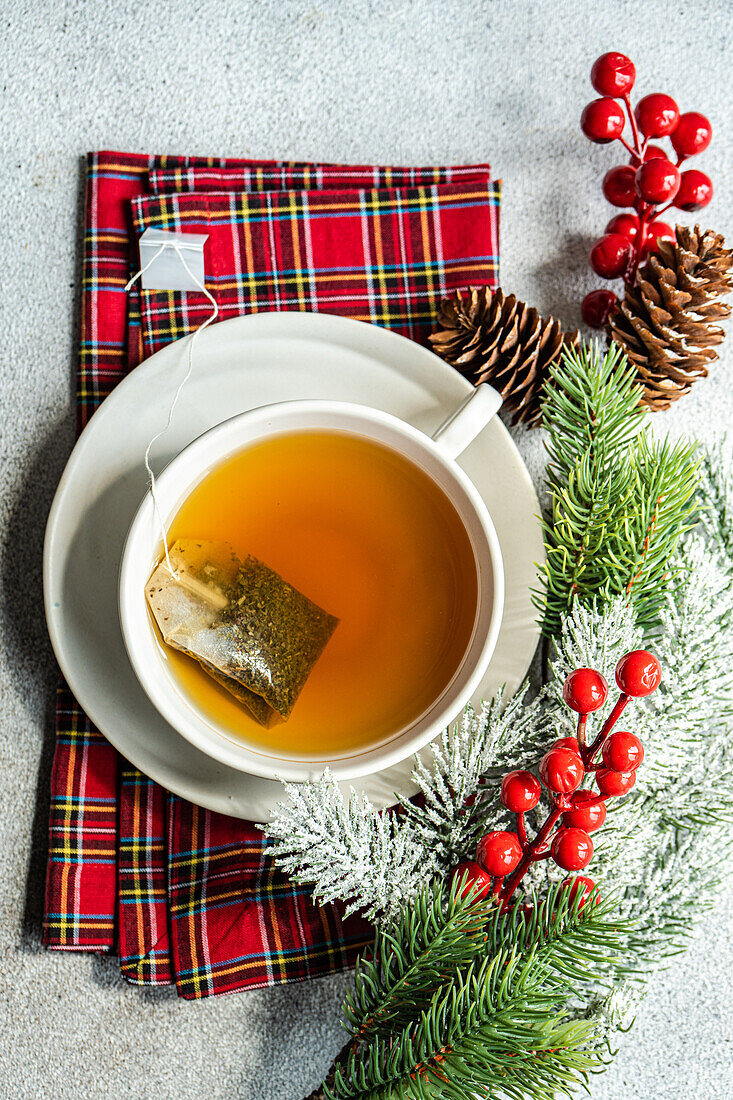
<point>423,81</point>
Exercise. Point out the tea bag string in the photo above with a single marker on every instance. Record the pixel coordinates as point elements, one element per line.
<point>209,320</point>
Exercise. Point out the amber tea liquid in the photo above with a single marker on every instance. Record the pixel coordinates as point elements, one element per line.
<point>368,536</point>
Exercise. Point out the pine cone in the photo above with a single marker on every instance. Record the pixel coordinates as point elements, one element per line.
<point>497,339</point>
<point>666,323</point>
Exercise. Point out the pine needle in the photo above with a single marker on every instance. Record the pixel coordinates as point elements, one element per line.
<point>620,502</point>
<point>456,1000</point>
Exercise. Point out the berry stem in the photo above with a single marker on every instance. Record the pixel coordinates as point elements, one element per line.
<point>530,855</point>
<point>537,849</point>
<point>637,150</point>
<point>646,214</point>
<point>522,830</point>
<point>580,733</point>
<point>590,751</point>
<point>626,146</point>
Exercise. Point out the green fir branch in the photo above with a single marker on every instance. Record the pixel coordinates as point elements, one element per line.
<point>571,939</point>
<point>438,934</point>
<point>498,1029</point>
<point>459,995</point>
<point>666,478</point>
<point>619,502</point>
<point>592,406</point>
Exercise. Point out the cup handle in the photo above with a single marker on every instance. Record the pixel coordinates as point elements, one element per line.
<point>463,425</point>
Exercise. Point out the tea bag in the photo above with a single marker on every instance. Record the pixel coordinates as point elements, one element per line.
<point>248,628</point>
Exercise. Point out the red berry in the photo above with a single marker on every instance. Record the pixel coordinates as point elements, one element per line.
<point>623,751</point>
<point>657,115</point>
<point>657,180</point>
<point>638,673</point>
<point>661,231</point>
<point>613,74</point>
<point>499,853</point>
<point>614,783</point>
<point>610,255</point>
<point>572,849</point>
<point>602,120</point>
<point>474,876</point>
<point>618,185</point>
<point>585,690</point>
<point>520,791</point>
<point>583,886</point>
<point>561,770</point>
<point>656,232</point>
<point>625,224</point>
<point>693,134</point>
<point>587,812</point>
<point>597,307</point>
<point>567,743</point>
<point>695,190</point>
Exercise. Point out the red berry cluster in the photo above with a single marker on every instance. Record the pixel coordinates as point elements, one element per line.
<point>503,857</point>
<point>649,180</point>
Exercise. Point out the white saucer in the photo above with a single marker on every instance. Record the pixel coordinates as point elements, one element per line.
<point>240,364</point>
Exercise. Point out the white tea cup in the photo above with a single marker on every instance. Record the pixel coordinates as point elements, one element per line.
<point>435,456</point>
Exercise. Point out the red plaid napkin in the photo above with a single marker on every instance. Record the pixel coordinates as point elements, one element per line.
<point>185,894</point>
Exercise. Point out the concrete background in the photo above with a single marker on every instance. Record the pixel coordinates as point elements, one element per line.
<point>417,81</point>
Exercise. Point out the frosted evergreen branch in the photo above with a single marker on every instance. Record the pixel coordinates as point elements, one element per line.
<point>593,636</point>
<point>716,490</point>
<point>661,844</point>
<point>613,1012</point>
<point>679,813</point>
<point>375,860</point>
<point>450,772</point>
<point>346,849</point>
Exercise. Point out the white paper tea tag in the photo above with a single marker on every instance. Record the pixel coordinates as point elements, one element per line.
<point>173,261</point>
<point>161,263</point>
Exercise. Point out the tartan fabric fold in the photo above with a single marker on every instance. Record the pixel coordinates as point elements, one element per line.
<point>236,921</point>
<point>307,177</point>
<point>142,880</point>
<point>189,174</point>
<point>384,256</point>
<point>82,843</point>
<point>184,894</point>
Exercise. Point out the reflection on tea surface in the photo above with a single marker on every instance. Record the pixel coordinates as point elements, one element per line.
<point>365,534</point>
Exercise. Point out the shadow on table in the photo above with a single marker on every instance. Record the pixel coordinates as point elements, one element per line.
<point>104,971</point>
<point>558,295</point>
<point>24,637</point>
<point>25,641</point>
